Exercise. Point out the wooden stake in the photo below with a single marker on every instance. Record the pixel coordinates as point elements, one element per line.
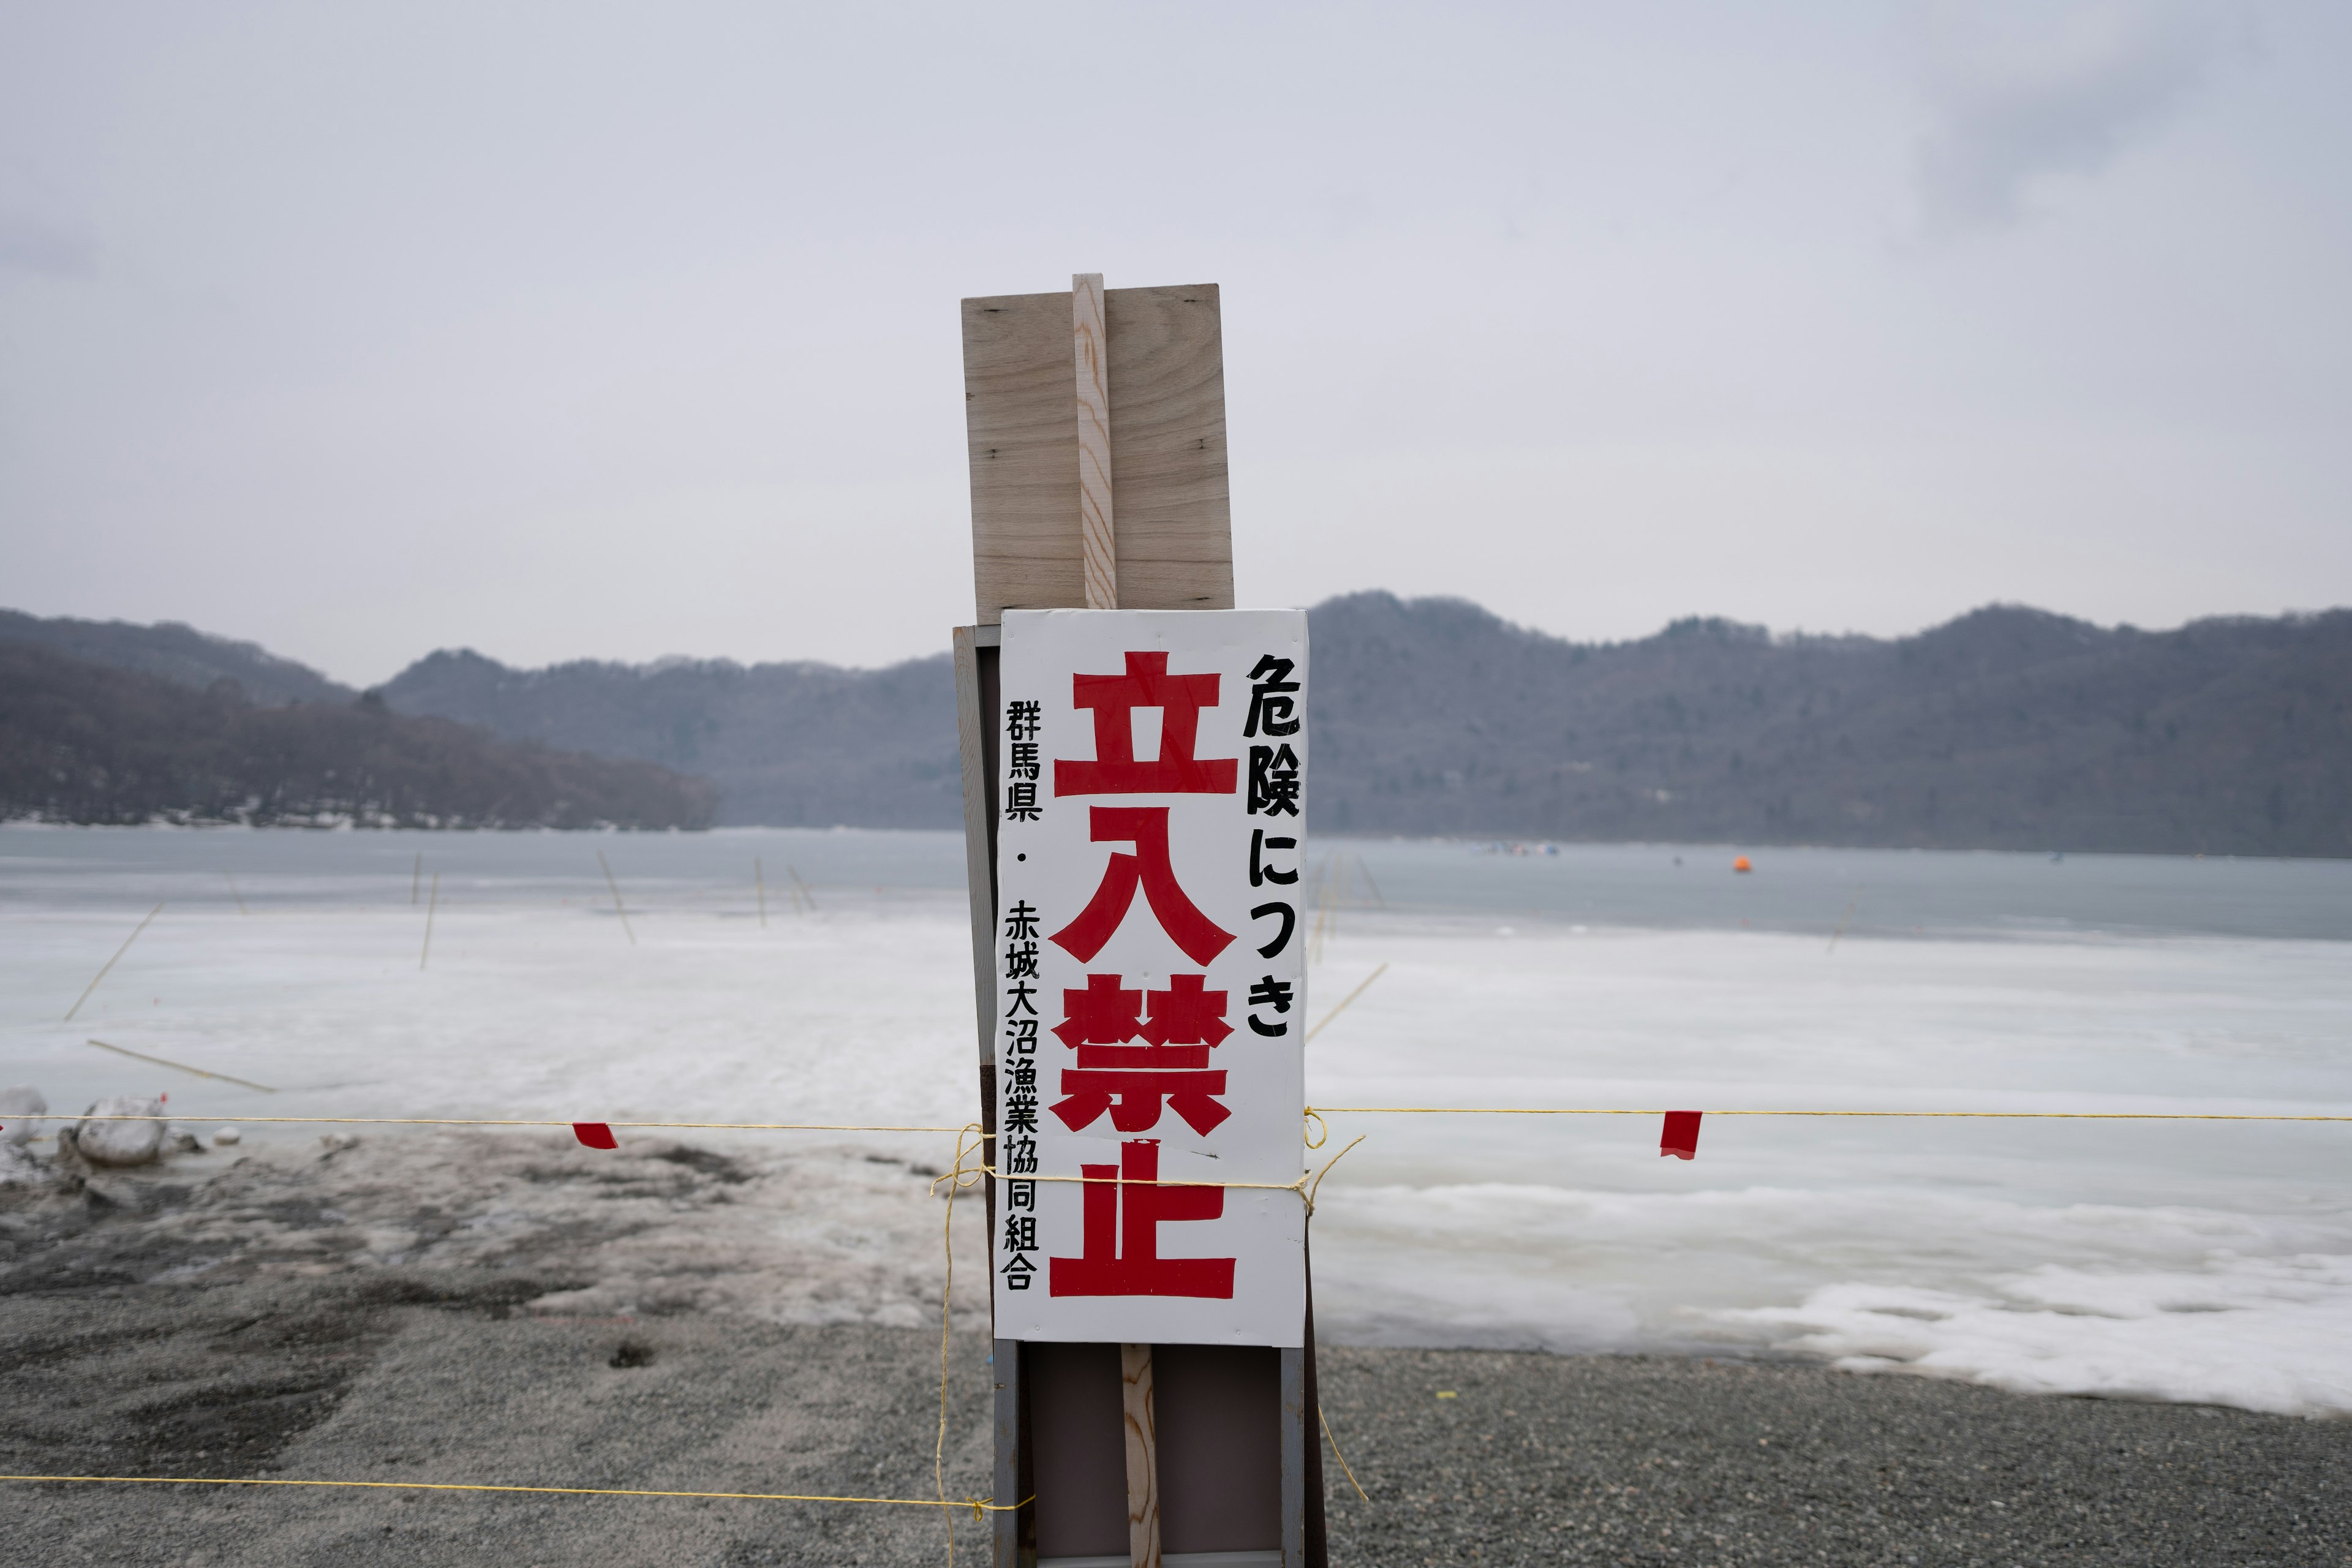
<point>1097,540</point>
<point>1142,1456</point>
<point>804,887</point>
<point>618,908</point>
<point>179,1066</point>
<point>1342,1007</point>
<point>415,879</point>
<point>238,896</point>
<point>1843,918</point>
<point>112,962</point>
<point>760,882</point>
<point>432,903</point>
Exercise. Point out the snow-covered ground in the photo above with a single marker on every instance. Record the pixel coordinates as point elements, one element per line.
<point>2170,1260</point>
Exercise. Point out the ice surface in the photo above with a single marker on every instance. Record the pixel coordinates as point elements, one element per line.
<point>2203,1261</point>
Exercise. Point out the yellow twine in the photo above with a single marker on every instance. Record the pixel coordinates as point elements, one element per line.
<point>1978,1115</point>
<point>1305,1186</point>
<point>496,1121</point>
<point>978,1505</point>
<point>1342,1007</point>
<point>1338,1456</point>
<point>957,1180</point>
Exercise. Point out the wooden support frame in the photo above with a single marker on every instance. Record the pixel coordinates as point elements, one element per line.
<point>1098,481</point>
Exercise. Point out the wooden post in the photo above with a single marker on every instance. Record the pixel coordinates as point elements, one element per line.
<point>1097,540</point>
<point>1099,551</point>
<point>618,908</point>
<point>760,886</point>
<point>1142,1456</point>
<point>1064,516</point>
<point>432,904</point>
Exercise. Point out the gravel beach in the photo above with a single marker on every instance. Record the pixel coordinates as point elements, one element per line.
<point>514,1311</point>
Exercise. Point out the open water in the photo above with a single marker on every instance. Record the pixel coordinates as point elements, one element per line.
<point>2199,1261</point>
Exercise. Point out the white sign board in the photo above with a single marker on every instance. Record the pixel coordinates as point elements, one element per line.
<point>1150,976</point>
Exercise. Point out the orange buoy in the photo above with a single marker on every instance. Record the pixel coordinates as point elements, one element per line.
<point>1741,864</point>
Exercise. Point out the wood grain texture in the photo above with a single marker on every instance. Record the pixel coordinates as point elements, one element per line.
<point>1167,448</point>
<point>1023,446</point>
<point>1142,1456</point>
<point>1173,533</point>
<point>1098,546</point>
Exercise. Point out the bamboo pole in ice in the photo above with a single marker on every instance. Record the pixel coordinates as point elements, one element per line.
<point>112,962</point>
<point>618,908</point>
<point>432,903</point>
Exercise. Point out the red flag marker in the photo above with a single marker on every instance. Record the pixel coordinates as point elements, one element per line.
<point>1681,1136</point>
<point>596,1135</point>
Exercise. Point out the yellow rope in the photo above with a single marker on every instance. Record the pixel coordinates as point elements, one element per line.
<point>495,1122</point>
<point>957,1180</point>
<point>1342,1007</point>
<point>1338,1456</point>
<point>1323,1110</point>
<point>978,1505</point>
<point>179,1066</point>
<point>1305,1186</point>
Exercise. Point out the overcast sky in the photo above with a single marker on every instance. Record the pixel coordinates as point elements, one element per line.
<point>576,330</point>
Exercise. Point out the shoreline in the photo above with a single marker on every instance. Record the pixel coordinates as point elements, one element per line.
<point>588,1319</point>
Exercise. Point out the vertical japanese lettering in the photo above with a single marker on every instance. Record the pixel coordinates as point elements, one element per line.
<point>1150,964</point>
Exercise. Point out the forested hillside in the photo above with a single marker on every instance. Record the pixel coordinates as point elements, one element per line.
<point>2007,728</point>
<point>85,744</point>
<point>788,744</point>
<point>178,653</point>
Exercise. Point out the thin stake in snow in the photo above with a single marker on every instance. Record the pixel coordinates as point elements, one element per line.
<point>1342,1007</point>
<point>760,882</point>
<point>416,879</point>
<point>804,887</point>
<point>618,908</point>
<point>432,904</point>
<point>180,1066</point>
<point>1843,918</point>
<point>112,962</point>
<point>238,896</point>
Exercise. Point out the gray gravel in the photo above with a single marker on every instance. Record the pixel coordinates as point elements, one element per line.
<point>233,1325</point>
<point>1548,1459</point>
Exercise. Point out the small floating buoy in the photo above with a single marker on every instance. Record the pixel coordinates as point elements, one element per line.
<point>1741,864</point>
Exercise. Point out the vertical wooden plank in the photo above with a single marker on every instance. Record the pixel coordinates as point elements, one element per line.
<point>1005,1361</point>
<point>1142,1456</point>
<point>1023,441</point>
<point>1097,547</point>
<point>1164,360</point>
<point>975,738</point>
<point>1294,1415</point>
<point>1169,487</point>
<point>976,716</point>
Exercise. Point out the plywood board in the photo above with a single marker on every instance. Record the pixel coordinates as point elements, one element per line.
<point>1167,448</point>
<point>1021,424</point>
<point>1166,368</point>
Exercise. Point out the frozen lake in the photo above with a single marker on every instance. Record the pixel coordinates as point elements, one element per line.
<point>2202,1261</point>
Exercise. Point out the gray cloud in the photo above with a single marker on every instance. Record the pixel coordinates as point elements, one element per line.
<point>2019,93</point>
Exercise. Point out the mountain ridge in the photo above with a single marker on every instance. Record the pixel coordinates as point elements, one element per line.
<point>2008,727</point>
